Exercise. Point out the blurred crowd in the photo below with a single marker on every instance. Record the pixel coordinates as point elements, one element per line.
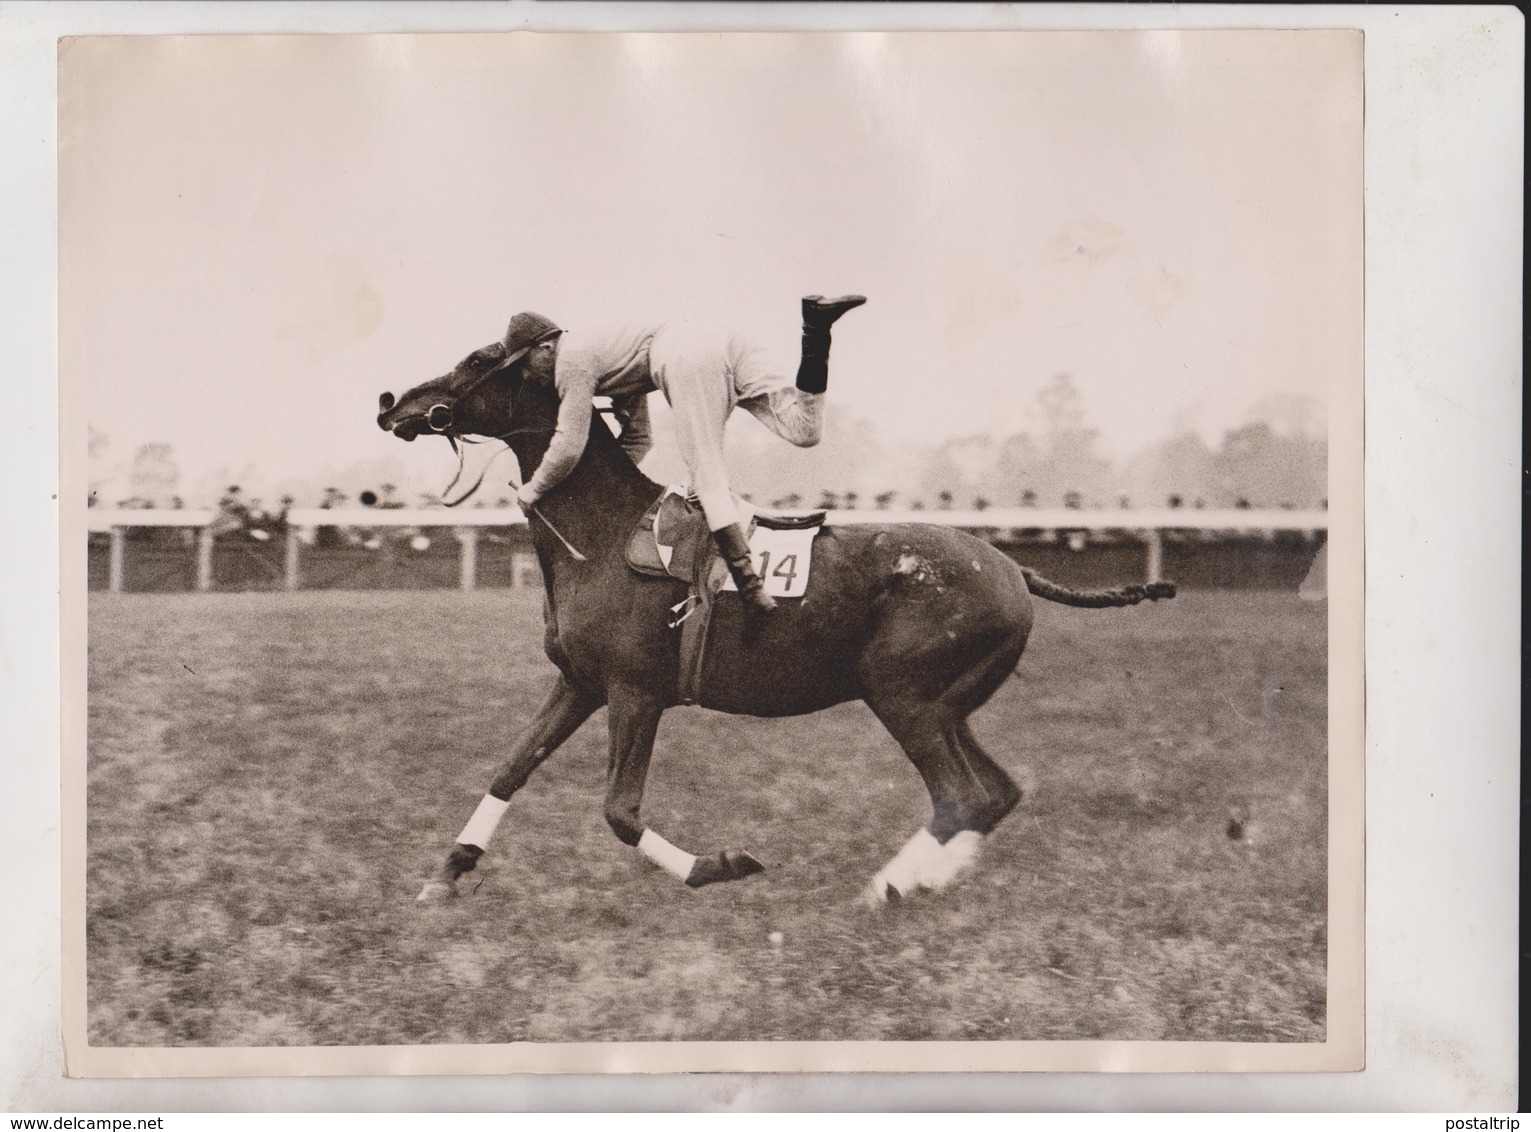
<point>247,520</point>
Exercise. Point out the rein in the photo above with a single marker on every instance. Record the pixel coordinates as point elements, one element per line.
<point>531,508</point>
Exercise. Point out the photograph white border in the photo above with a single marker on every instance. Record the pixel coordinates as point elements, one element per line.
<point>1462,877</point>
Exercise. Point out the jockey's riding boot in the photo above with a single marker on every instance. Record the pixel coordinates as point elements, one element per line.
<point>736,552</point>
<point>819,315</point>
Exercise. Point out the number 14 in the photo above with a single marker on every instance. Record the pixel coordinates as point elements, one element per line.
<point>786,568</point>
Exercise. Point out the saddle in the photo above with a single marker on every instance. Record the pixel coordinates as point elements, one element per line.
<point>672,540</point>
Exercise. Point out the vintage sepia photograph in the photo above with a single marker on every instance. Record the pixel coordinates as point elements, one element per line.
<point>734,551</point>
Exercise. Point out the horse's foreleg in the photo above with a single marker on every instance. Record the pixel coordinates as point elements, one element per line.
<point>634,720</point>
<point>559,717</point>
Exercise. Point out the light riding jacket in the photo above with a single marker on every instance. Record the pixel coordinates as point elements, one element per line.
<point>703,374</point>
<point>614,365</point>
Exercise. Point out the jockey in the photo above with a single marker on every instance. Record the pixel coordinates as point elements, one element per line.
<point>703,379</point>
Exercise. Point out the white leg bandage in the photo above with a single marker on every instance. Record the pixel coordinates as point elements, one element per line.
<point>675,861</point>
<point>910,865</point>
<point>481,825</point>
<point>956,855</point>
<point>924,862</point>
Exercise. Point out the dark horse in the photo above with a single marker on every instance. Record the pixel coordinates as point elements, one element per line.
<point>921,622</point>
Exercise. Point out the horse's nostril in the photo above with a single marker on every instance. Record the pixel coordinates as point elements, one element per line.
<point>385,402</point>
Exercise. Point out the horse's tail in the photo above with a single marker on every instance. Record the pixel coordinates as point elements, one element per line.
<point>1096,599</point>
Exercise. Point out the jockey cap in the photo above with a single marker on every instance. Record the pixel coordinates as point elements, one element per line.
<point>525,331</point>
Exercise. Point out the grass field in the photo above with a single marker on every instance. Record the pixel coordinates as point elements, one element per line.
<point>273,775</point>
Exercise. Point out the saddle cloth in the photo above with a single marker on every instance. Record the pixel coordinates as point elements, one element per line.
<point>672,540</point>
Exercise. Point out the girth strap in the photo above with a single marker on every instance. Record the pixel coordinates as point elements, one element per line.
<point>696,620</point>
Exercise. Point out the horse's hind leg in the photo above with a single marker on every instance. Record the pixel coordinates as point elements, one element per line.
<point>970,794</point>
<point>559,717</point>
<point>1003,794</point>
<point>960,803</point>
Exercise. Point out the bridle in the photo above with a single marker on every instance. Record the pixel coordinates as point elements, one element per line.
<point>440,418</point>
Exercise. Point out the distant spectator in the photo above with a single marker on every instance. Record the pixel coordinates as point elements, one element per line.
<point>944,500</point>
<point>1073,501</point>
<point>1028,498</point>
<point>1176,502</point>
<point>233,515</point>
<point>851,499</point>
<point>1125,503</point>
<point>980,504</point>
<point>828,501</point>
<point>883,500</point>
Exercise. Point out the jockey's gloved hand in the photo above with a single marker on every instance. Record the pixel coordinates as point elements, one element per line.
<point>525,497</point>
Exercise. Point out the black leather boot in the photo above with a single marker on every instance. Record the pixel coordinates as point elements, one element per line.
<point>819,315</point>
<point>736,552</point>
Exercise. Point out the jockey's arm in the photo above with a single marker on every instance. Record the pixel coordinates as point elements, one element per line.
<point>576,385</point>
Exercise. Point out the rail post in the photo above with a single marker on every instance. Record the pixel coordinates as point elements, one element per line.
<point>204,558</point>
<point>294,547</point>
<point>114,562</point>
<point>467,537</point>
<point>1155,544</point>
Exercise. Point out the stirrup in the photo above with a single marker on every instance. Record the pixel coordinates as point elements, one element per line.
<point>684,609</point>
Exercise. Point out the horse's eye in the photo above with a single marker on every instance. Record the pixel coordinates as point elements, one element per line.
<point>385,402</point>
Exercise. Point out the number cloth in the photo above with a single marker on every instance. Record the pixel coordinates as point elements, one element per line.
<point>782,559</point>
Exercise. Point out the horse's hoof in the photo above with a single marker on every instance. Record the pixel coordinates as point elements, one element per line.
<point>731,864</point>
<point>880,894</point>
<point>436,890</point>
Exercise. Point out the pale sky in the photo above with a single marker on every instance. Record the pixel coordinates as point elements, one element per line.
<point>261,234</point>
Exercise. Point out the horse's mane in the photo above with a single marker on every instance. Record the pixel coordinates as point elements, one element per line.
<point>536,412</point>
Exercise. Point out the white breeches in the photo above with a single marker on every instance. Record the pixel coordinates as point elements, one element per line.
<point>704,376</point>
